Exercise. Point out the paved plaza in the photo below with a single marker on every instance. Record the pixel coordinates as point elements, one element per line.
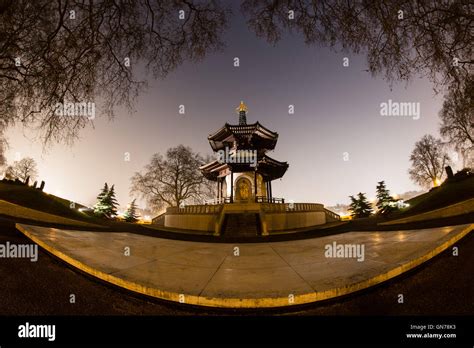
<point>245,275</point>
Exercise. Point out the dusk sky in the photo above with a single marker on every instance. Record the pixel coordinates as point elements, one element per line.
<point>337,110</point>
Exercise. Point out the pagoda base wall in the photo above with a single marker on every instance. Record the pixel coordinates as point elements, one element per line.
<point>294,220</point>
<point>197,222</point>
<point>271,218</point>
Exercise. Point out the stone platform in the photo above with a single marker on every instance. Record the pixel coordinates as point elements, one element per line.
<point>244,275</point>
<point>250,218</point>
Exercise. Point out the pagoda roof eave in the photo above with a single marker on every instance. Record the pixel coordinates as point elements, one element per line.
<point>275,169</point>
<point>229,133</point>
<point>270,168</point>
<point>229,129</point>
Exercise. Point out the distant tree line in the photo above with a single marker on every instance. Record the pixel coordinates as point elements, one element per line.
<point>106,206</point>
<point>385,204</point>
<point>23,170</point>
<point>169,180</point>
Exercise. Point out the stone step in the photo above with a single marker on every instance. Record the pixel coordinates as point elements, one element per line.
<point>245,224</point>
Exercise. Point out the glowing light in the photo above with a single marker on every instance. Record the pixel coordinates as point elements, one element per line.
<point>242,107</point>
<point>401,204</point>
<point>145,220</point>
<point>401,236</point>
<point>437,182</point>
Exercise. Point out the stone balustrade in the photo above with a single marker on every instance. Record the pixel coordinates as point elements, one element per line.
<point>291,207</point>
<point>195,209</point>
<point>273,216</point>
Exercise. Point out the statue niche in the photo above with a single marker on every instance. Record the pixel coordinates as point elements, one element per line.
<point>243,190</point>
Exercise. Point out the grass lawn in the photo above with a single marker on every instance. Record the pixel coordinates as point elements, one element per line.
<point>16,211</point>
<point>442,196</point>
<point>31,198</point>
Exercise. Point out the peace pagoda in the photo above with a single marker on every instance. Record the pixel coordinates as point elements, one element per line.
<point>247,170</point>
<point>244,205</point>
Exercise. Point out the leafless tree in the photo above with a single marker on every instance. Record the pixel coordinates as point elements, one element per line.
<point>401,38</point>
<point>22,169</point>
<point>3,146</point>
<point>171,180</point>
<point>54,52</point>
<point>73,51</point>
<point>428,161</point>
<point>457,120</point>
<point>3,159</point>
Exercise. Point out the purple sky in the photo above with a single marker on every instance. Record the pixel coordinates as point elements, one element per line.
<point>337,110</point>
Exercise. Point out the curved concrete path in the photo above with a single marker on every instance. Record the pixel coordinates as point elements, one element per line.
<point>244,275</point>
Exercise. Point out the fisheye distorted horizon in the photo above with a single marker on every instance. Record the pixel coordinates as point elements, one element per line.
<point>337,143</point>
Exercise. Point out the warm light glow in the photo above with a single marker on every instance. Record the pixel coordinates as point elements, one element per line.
<point>345,216</point>
<point>437,182</point>
<point>242,107</point>
<point>145,220</point>
<point>401,204</point>
<point>401,236</point>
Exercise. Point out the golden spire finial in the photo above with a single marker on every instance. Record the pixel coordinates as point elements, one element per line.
<point>242,107</point>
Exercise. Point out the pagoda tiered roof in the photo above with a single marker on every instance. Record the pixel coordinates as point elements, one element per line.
<point>268,167</point>
<point>239,139</point>
<point>253,136</point>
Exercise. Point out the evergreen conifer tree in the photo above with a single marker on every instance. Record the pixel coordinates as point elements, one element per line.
<point>101,207</point>
<point>353,207</point>
<point>360,207</point>
<point>385,202</point>
<point>111,203</point>
<point>131,213</point>
<point>365,208</point>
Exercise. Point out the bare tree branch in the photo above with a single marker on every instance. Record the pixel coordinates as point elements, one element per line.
<point>78,51</point>
<point>428,160</point>
<point>400,38</point>
<point>171,180</point>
